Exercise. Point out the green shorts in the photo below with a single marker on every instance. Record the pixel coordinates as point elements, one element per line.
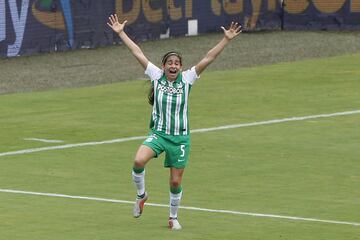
<point>177,148</point>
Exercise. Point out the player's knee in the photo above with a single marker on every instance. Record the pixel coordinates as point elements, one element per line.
<point>139,162</point>
<point>175,183</point>
<point>143,155</point>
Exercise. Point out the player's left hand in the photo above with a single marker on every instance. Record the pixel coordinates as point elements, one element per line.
<point>233,31</point>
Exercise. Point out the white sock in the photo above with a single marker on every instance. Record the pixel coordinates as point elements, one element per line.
<point>174,204</point>
<point>139,180</point>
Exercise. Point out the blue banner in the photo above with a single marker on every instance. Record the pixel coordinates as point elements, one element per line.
<point>35,26</point>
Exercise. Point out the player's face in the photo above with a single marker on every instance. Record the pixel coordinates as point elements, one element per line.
<point>172,67</point>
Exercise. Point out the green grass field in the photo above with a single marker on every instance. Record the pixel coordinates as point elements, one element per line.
<point>114,63</point>
<point>306,168</point>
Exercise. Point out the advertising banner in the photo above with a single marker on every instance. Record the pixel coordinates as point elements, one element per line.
<point>36,26</point>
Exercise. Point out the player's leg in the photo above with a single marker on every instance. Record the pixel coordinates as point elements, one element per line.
<point>177,156</point>
<point>143,155</point>
<point>176,175</point>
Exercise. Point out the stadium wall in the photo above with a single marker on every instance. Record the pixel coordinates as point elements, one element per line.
<point>35,26</point>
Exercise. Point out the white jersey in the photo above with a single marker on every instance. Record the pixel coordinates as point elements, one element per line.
<point>170,109</point>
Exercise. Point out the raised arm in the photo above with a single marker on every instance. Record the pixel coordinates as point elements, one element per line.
<point>229,34</point>
<point>134,48</point>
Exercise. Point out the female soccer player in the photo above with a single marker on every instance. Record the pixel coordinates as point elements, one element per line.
<point>169,121</point>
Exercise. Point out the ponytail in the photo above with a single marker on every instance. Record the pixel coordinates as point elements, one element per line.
<point>151,95</point>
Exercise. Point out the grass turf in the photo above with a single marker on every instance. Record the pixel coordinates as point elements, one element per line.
<point>305,168</point>
<point>115,63</point>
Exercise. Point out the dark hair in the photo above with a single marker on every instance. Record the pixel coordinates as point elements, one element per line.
<point>164,59</point>
<point>151,96</point>
<point>172,53</point>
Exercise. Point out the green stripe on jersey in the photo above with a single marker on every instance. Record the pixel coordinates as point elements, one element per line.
<point>170,113</point>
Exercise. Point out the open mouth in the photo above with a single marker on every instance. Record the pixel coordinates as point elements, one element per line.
<point>172,71</point>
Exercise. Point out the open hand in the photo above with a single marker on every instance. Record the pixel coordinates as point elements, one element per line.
<point>115,25</point>
<point>233,31</point>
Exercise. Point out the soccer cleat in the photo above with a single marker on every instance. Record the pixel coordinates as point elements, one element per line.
<point>139,205</point>
<point>174,224</point>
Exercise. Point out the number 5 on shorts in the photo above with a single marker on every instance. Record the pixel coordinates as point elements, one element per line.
<point>182,148</point>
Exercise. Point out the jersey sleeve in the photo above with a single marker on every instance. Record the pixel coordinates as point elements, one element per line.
<point>190,76</point>
<point>153,72</point>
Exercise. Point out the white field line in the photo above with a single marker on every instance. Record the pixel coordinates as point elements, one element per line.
<point>182,207</point>
<point>276,121</point>
<point>43,140</point>
<point>32,150</point>
<point>118,140</point>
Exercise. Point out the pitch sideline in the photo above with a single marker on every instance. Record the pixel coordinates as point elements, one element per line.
<point>118,140</point>
<point>182,207</point>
